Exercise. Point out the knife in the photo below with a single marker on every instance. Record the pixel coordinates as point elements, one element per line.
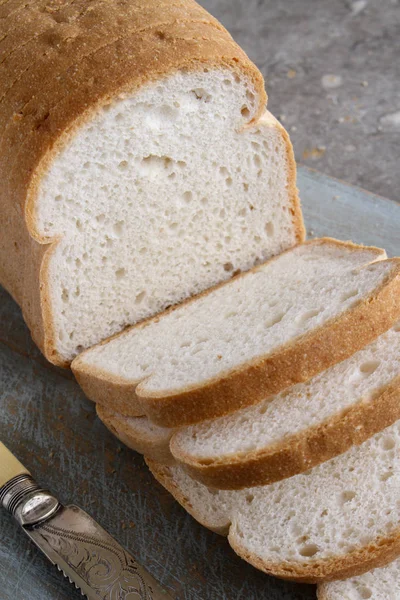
<point>87,555</point>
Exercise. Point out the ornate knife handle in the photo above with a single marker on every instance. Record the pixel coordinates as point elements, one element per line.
<point>91,559</point>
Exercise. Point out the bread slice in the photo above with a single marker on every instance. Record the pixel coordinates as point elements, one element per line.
<point>132,135</point>
<point>258,334</point>
<point>338,520</point>
<point>378,584</point>
<point>279,438</point>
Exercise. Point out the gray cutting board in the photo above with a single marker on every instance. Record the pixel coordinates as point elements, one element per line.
<point>52,428</point>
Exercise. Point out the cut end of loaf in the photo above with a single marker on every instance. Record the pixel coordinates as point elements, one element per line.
<point>161,195</point>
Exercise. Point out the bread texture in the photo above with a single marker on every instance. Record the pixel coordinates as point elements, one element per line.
<point>336,521</point>
<point>99,101</point>
<point>233,346</point>
<point>378,584</point>
<point>286,435</point>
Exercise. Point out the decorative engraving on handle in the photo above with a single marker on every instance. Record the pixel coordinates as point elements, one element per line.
<point>110,571</point>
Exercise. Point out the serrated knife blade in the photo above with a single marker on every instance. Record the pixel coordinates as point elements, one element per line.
<point>88,556</point>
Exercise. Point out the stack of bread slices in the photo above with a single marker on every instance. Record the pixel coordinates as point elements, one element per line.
<point>152,235</point>
<point>270,408</point>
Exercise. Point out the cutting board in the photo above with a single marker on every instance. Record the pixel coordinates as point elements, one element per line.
<point>48,423</point>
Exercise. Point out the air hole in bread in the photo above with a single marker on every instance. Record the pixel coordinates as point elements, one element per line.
<point>369,367</point>
<point>269,228</point>
<point>202,94</point>
<point>245,112</point>
<point>349,294</point>
<point>118,228</point>
<point>123,165</point>
<point>274,320</point>
<point>140,297</point>
<point>364,593</point>
<point>227,82</point>
<point>310,314</point>
<point>257,160</point>
<point>229,181</point>
<point>249,498</point>
<point>388,443</point>
<point>308,550</point>
<point>385,476</point>
<point>120,273</point>
<point>347,496</point>
<point>187,196</point>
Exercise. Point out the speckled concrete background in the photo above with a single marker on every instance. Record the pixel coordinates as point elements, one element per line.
<point>332,70</point>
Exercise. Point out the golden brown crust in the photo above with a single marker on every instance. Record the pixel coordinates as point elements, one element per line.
<point>300,452</point>
<point>292,187</point>
<point>60,64</point>
<point>296,362</point>
<point>163,475</point>
<point>141,442</point>
<point>376,554</point>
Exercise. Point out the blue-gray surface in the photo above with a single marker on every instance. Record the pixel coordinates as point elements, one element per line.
<point>47,422</point>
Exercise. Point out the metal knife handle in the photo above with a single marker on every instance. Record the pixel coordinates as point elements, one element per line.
<point>21,495</point>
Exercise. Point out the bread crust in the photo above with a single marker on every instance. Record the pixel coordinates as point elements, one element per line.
<point>251,383</point>
<point>376,554</point>
<point>144,444</point>
<point>60,65</point>
<point>163,476</point>
<point>297,453</point>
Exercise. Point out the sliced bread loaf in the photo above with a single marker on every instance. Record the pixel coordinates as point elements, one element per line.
<point>338,520</point>
<point>132,135</point>
<point>278,438</point>
<point>378,584</point>
<point>256,335</point>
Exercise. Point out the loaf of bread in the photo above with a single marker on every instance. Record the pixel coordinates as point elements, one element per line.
<point>137,166</point>
<point>256,335</point>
